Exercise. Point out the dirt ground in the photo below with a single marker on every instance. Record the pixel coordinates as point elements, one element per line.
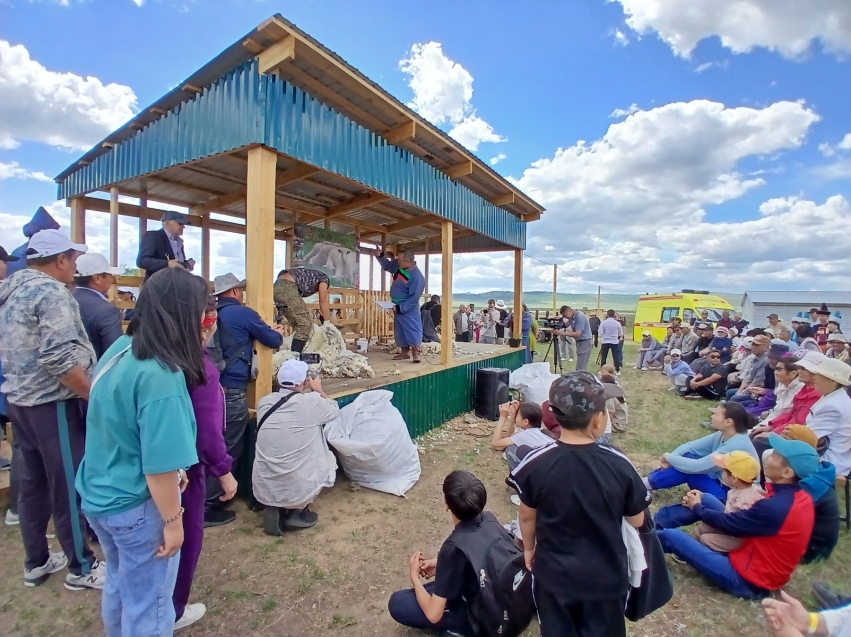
<point>335,578</point>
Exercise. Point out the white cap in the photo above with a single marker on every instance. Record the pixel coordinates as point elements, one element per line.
<point>46,243</point>
<point>93,263</point>
<point>676,352</point>
<point>646,332</point>
<point>293,372</point>
<point>837,337</point>
<point>830,368</point>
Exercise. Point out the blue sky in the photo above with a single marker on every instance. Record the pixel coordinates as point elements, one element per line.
<point>733,172</point>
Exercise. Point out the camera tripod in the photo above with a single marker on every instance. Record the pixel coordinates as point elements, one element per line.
<point>557,355</point>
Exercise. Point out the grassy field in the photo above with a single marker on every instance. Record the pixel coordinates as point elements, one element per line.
<point>335,579</point>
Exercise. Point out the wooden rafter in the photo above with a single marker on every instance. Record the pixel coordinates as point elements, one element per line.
<point>503,200</point>
<point>413,222</point>
<point>403,132</point>
<point>276,55</point>
<point>360,201</point>
<point>217,203</point>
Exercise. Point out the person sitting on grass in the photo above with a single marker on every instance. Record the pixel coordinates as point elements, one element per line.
<point>752,376</point>
<point>518,431</point>
<point>709,382</point>
<point>775,530</point>
<point>677,370</point>
<point>656,360</point>
<point>787,617</point>
<point>575,496</point>
<point>739,472</point>
<point>692,463</point>
<point>723,343</point>
<point>647,349</point>
<point>444,603</point>
<point>617,408</point>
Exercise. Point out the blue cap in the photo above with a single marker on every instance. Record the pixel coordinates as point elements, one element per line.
<point>799,454</point>
<point>173,215</point>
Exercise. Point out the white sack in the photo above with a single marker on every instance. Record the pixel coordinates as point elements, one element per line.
<point>375,448</point>
<point>533,381</point>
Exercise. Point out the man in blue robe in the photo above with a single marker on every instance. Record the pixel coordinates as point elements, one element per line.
<point>405,292</point>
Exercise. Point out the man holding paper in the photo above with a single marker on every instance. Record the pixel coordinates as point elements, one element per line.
<point>405,292</point>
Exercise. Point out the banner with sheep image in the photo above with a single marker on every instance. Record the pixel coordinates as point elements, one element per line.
<point>334,253</point>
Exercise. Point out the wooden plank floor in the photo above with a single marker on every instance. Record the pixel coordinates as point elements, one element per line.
<point>386,369</point>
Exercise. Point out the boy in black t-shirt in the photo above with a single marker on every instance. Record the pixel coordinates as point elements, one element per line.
<point>441,604</point>
<point>574,496</point>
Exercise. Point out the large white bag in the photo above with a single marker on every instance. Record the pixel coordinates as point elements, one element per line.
<point>533,381</point>
<point>375,448</point>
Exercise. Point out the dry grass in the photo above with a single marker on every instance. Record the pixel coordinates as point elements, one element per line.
<point>335,579</point>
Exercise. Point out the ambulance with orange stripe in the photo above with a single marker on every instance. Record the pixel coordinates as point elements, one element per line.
<point>655,311</point>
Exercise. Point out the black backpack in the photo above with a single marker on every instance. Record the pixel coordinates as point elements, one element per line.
<point>503,606</point>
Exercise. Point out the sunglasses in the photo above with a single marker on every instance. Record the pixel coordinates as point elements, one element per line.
<point>715,357</point>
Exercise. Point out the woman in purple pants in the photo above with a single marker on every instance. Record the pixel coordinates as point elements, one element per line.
<point>208,402</point>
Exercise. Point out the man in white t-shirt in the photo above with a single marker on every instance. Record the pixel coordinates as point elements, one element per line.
<point>519,426</point>
<point>611,336</point>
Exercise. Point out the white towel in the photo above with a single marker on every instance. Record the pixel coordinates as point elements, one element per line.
<point>634,552</point>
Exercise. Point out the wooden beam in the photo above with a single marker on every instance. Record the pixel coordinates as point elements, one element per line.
<point>383,273</point>
<point>276,55</point>
<point>253,46</point>
<point>294,174</point>
<point>502,200</point>
<point>413,222</point>
<point>156,179</point>
<point>143,219</point>
<point>113,226</point>
<point>158,110</point>
<point>425,268</point>
<point>356,203</point>
<point>222,201</point>
<point>192,88</point>
<point>408,130</point>
<point>518,294</point>
<point>78,219</point>
<point>205,247</point>
<point>447,325</point>
<point>260,255</point>
<point>461,170</point>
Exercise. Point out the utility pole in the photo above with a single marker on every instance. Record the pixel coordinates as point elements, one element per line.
<point>555,288</point>
<point>598,297</point>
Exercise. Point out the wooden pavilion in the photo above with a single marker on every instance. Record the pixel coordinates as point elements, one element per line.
<point>278,130</point>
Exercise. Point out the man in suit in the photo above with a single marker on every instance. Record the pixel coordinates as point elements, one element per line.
<point>163,248</point>
<point>101,318</point>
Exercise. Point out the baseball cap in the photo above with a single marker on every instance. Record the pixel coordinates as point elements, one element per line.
<point>761,339</point>
<point>747,342</point>
<point>772,316</point>
<point>173,215</point>
<point>676,352</point>
<point>740,463</point>
<point>800,455</point>
<point>47,243</point>
<point>93,263</point>
<point>292,373</point>
<point>579,394</point>
<point>802,433</point>
<point>5,256</point>
<point>778,348</point>
<point>646,333</point>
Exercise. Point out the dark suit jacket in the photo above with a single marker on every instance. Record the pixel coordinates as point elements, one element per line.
<point>155,252</point>
<point>101,319</point>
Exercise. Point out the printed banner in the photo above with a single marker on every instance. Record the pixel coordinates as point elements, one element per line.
<point>334,253</point>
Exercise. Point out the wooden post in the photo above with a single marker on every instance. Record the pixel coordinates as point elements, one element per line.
<point>598,308</point>
<point>383,273</point>
<point>447,326</point>
<point>205,246</point>
<point>555,288</point>
<point>426,267</point>
<point>371,270</point>
<point>78,220</point>
<point>518,294</point>
<point>260,255</point>
<point>113,226</point>
<point>143,218</point>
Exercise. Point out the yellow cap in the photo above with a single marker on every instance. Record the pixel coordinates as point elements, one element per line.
<point>740,463</point>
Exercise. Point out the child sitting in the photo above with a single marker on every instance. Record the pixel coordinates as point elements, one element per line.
<point>740,471</point>
<point>617,409</point>
<point>444,603</point>
<point>519,425</point>
<point>677,370</point>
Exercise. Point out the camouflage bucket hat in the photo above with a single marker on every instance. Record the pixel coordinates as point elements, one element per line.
<point>579,394</point>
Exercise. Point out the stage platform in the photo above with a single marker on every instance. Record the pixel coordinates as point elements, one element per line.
<point>428,394</point>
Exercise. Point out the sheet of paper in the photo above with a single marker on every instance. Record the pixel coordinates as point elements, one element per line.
<point>385,305</point>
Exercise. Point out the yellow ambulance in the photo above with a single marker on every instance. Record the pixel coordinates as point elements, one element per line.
<point>655,311</point>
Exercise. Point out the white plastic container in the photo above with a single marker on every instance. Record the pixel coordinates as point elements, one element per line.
<point>363,345</point>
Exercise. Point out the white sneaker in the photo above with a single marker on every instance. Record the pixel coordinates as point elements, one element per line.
<point>12,518</point>
<point>95,578</point>
<point>38,575</point>
<point>645,369</point>
<point>617,373</point>
<point>191,614</point>
<point>515,499</point>
<point>504,457</point>
<point>569,360</point>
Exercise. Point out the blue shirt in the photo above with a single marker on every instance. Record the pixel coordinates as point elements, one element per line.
<point>580,324</point>
<point>176,246</point>
<point>239,326</point>
<point>140,422</point>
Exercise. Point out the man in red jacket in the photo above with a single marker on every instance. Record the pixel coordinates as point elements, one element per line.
<point>775,531</point>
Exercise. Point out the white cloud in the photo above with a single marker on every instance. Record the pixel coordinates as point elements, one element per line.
<point>841,167</point>
<point>723,64</point>
<point>138,3</point>
<point>495,160</point>
<point>59,109</point>
<point>620,37</point>
<point>614,202</point>
<point>845,144</point>
<point>443,94</point>
<point>14,171</point>
<point>826,149</point>
<point>624,112</point>
<point>785,26</point>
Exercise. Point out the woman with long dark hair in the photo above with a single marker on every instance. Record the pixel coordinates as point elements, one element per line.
<point>140,438</point>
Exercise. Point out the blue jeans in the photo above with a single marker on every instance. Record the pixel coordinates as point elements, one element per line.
<point>716,567</point>
<point>137,596</point>
<point>676,515</point>
<point>745,400</point>
<point>405,609</point>
<point>670,477</point>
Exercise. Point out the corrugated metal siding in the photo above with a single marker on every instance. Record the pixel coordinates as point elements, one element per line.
<point>417,400</point>
<point>244,107</point>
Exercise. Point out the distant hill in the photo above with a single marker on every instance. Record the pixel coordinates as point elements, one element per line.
<point>540,300</point>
